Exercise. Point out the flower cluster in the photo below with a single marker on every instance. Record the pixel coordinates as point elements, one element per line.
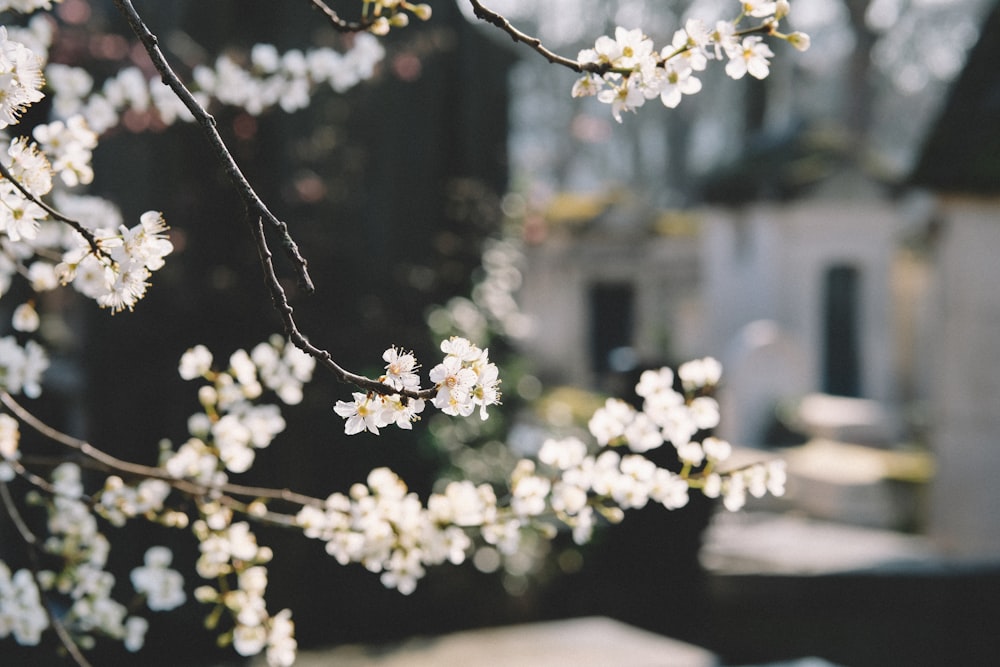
<point>21,610</point>
<point>463,381</point>
<point>114,264</point>
<point>20,79</point>
<point>118,278</point>
<point>231,427</point>
<point>10,436</point>
<point>230,554</point>
<point>386,528</point>
<point>627,70</point>
<point>21,368</point>
<point>77,543</point>
<point>162,586</point>
<point>268,79</point>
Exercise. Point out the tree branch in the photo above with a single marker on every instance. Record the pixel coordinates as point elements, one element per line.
<point>255,209</point>
<point>92,241</point>
<point>285,311</point>
<point>338,23</point>
<point>114,464</point>
<point>252,201</point>
<point>486,14</point>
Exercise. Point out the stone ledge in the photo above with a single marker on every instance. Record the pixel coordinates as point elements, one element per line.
<point>580,642</point>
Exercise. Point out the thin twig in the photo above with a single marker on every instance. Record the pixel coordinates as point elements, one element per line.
<point>486,14</point>
<point>15,515</point>
<point>94,244</point>
<point>31,541</point>
<point>300,341</point>
<point>338,23</point>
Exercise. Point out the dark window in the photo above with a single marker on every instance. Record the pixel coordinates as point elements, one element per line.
<point>611,326</point>
<point>841,349</point>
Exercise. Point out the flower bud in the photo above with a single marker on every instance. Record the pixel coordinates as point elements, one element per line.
<point>379,26</point>
<point>399,20</point>
<point>421,11</point>
<point>781,9</point>
<point>207,396</point>
<point>799,40</point>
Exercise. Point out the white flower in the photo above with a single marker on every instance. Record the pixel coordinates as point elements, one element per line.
<point>626,96</point>
<point>135,633</point>
<point>587,85</point>
<point>704,411</point>
<point>750,57</point>
<point>400,369</point>
<point>454,382</point>
<point>716,449</point>
<point>759,8</point>
<point>634,48</point>
<point>20,79</point>
<point>195,362</point>
<point>653,381</point>
<point>70,145</point>
<point>609,422</point>
<point>281,644</point>
<point>25,318</point>
<point>162,586</point>
<point>678,81</point>
<point>562,454</point>
<point>699,373</point>
<point>364,413</point>
<point>529,494</point>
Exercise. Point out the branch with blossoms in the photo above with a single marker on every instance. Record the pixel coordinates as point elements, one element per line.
<point>627,71</point>
<point>83,241</point>
<point>379,524</point>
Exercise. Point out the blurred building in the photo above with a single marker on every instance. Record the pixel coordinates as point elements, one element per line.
<point>846,306</point>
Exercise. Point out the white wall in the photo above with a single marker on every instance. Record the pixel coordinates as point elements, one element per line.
<point>965,418</point>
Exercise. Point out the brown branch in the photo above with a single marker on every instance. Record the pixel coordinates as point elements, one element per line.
<point>255,209</point>
<point>285,311</point>
<point>486,14</point>
<point>95,246</point>
<point>114,464</point>
<point>251,200</point>
<point>339,24</point>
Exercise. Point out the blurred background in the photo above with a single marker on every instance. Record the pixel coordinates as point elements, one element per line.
<point>828,233</point>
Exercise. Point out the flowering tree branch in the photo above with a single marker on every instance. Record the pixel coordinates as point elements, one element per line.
<point>570,483</point>
<point>256,209</point>
<point>92,241</point>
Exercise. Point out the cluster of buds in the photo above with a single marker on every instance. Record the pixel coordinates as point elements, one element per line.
<point>387,14</point>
